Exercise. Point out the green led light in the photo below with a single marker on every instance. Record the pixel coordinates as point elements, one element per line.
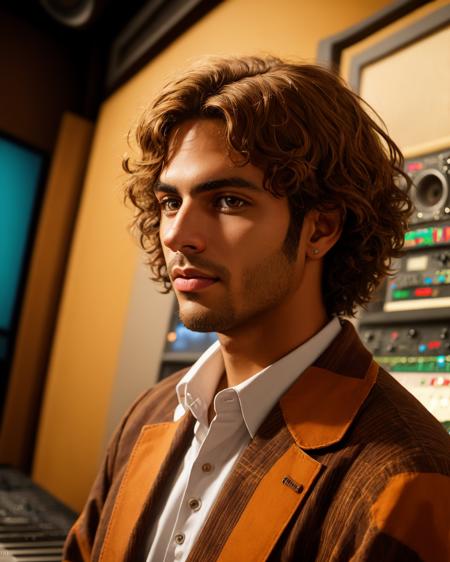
<point>421,237</point>
<point>401,294</point>
<point>416,364</point>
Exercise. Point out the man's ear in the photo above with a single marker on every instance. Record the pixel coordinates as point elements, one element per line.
<point>322,230</point>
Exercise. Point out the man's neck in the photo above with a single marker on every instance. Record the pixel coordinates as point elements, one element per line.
<point>249,349</point>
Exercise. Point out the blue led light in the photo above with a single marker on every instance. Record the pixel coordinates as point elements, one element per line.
<point>441,359</point>
<point>422,348</point>
<point>428,280</point>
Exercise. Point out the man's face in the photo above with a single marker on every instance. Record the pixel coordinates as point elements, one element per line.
<point>222,234</point>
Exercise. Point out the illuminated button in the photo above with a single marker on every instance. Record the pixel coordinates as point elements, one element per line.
<point>423,292</point>
<point>179,538</point>
<point>434,344</point>
<point>171,337</point>
<point>422,348</point>
<point>207,467</point>
<point>194,504</point>
<point>394,335</point>
<point>401,294</point>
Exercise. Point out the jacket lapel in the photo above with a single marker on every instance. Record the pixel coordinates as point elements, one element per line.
<point>279,494</point>
<point>320,407</point>
<point>152,461</point>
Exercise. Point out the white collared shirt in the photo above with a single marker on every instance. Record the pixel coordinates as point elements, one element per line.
<point>214,450</point>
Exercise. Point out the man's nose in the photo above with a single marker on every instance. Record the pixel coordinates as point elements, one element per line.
<point>185,232</point>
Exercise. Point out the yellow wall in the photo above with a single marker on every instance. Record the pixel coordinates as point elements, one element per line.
<point>103,259</point>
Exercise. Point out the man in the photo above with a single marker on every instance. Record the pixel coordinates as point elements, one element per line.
<point>267,199</point>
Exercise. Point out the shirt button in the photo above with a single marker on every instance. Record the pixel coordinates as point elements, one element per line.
<point>194,504</point>
<point>207,467</point>
<point>179,538</point>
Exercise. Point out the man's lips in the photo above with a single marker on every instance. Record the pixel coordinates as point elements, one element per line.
<point>192,283</point>
<point>188,280</point>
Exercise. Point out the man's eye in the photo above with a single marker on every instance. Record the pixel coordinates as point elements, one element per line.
<point>169,205</point>
<point>230,202</point>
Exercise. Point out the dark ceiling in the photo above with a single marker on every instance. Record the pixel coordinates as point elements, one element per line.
<point>85,49</point>
<point>101,51</point>
<point>108,19</point>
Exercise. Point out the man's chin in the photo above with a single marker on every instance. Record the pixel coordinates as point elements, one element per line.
<point>198,323</point>
<point>204,320</point>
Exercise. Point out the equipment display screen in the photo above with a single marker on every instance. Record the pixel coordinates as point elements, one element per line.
<point>20,175</point>
<point>180,338</point>
<point>428,236</point>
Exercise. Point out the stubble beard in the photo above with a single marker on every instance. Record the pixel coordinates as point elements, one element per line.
<point>263,288</point>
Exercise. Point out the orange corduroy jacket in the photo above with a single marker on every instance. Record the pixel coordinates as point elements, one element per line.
<point>348,466</point>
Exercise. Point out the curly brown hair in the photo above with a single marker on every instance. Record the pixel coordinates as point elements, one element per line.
<point>315,143</point>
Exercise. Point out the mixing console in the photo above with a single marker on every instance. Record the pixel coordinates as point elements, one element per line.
<point>418,356</point>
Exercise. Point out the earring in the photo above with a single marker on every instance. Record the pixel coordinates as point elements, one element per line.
<point>315,251</point>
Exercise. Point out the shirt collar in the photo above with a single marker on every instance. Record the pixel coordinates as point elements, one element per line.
<point>196,389</point>
<point>258,394</point>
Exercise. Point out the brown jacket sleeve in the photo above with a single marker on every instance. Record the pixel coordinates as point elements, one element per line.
<point>409,521</point>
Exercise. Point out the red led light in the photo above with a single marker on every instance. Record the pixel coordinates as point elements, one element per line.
<point>434,344</point>
<point>447,233</point>
<point>414,166</point>
<point>437,235</point>
<point>423,292</point>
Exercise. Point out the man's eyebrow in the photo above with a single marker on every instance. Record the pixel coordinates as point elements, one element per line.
<point>162,187</point>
